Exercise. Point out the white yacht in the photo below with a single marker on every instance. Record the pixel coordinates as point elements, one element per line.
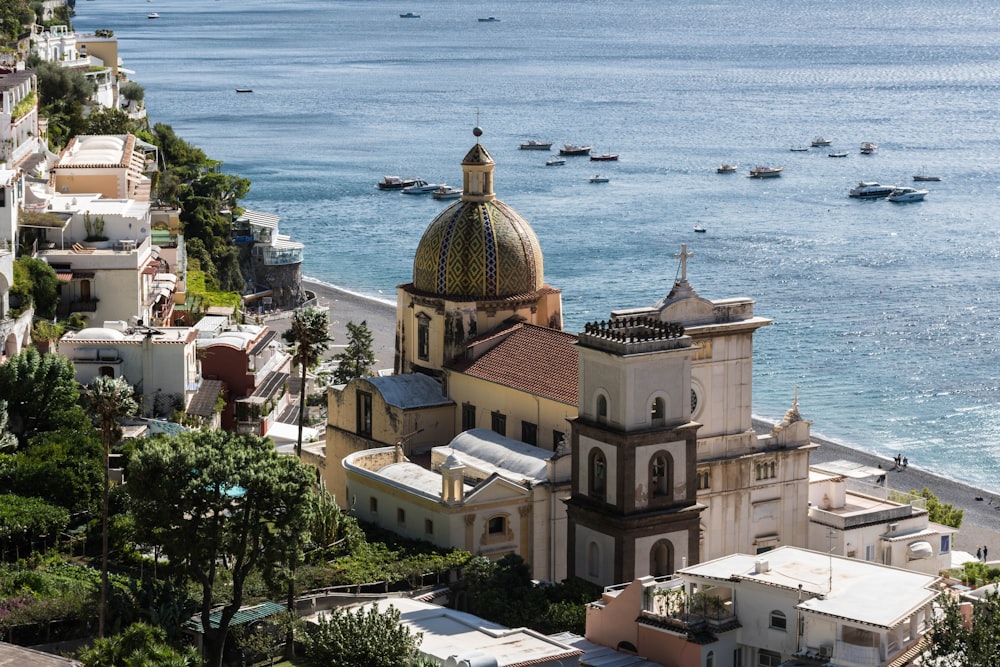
<point>907,194</point>
<point>871,190</point>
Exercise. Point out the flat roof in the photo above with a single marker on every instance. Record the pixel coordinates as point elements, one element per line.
<point>861,591</point>
<point>850,469</point>
<point>448,632</point>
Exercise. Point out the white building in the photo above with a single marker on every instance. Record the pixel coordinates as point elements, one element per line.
<point>459,639</point>
<point>787,604</point>
<point>161,364</point>
<point>483,492</point>
<point>852,516</point>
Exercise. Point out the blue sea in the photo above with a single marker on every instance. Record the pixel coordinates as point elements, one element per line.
<point>885,315</point>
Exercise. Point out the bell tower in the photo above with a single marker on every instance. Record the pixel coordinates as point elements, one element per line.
<point>633,510</point>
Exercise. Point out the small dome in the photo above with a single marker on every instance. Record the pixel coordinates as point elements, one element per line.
<point>99,333</point>
<point>478,250</point>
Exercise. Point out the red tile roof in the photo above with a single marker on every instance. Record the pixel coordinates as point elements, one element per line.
<point>533,359</point>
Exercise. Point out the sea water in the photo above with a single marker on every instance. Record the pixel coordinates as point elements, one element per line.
<point>885,316</point>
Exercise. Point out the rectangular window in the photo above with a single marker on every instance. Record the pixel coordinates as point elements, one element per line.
<point>768,658</point>
<point>945,543</point>
<point>428,527</point>
<point>400,516</point>
<point>557,438</point>
<point>468,417</point>
<point>870,552</point>
<point>364,399</point>
<point>499,423</point>
<point>423,338</point>
<point>497,525</point>
<point>529,433</point>
<point>373,505</point>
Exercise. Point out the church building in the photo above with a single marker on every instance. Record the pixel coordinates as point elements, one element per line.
<point>644,457</point>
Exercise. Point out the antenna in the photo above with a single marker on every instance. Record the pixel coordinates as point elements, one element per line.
<point>830,534</point>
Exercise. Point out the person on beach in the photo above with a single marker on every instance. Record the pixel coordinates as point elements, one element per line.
<point>985,552</point>
<point>906,462</point>
<point>979,553</point>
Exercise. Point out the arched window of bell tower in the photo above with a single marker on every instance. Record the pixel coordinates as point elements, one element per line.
<point>658,411</point>
<point>602,408</point>
<point>597,474</point>
<point>661,559</point>
<point>594,560</point>
<point>661,474</point>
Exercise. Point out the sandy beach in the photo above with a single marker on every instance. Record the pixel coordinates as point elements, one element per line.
<point>981,524</point>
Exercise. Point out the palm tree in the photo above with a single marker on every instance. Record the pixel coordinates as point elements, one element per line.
<point>309,333</point>
<point>111,399</point>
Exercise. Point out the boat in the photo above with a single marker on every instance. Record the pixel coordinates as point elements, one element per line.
<point>871,190</point>
<point>533,145</point>
<point>799,149</point>
<point>841,154</point>
<point>489,19</point>
<point>905,194</point>
<point>604,157</point>
<point>699,229</point>
<point>820,141</point>
<point>409,15</point>
<point>925,177</point>
<point>397,183</point>
<point>244,90</point>
<point>572,149</point>
<point>421,188</point>
<point>765,172</point>
<point>868,148</point>
<point>555,162</point>
<point>445,191</point>
<point>726,168</point>
<point>598,179</point>
<point>152,15</point>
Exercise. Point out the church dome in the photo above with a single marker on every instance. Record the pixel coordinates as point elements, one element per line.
<point>479,247</point>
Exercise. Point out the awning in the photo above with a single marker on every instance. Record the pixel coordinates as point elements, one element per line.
<point>921,550</point>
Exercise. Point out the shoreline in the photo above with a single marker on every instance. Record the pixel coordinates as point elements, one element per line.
<point>981,520</point>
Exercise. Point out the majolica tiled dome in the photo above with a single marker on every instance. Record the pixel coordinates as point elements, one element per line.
<point>478,247</point>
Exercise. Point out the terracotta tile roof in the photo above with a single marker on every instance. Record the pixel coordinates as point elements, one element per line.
<point>533,359</point>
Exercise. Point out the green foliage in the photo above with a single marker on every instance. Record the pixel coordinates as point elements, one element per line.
<point>41,394</point>
<point>207,497</point>
<point>943,513</point>
<point>205,289</point>
<point>94,225</point>
<point>358,358</point>
<point>35,282</point>
<point>954,644</point>
<point>24,519</point>
<point>309,333</point>
<point>62,467</point>
<point>138,646</point>
<point>62,93</point>
<point>132,91</point>
<point>977,574</point>
<point>362,639</point>
<point>26,104</point>
<point>504,593</point>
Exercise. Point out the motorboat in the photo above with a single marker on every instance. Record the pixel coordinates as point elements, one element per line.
<point>820,141</point>
<point>152,15</point>
<point>699,229</point>
<point>765,172</point>
<point>421,188</point>
<point>905,194</point>
<point>555,162</point>
<point>799,149</point>
<point>868,148</point>
<point>445,191</point>
<point>397,183</point>
<point>598,179</point>
<point>604,157</point>
<point>489,19</point>
<point>841,154</point>
<point>244,90</point>
<point>871,190</point>
<point>726,168</point>
<point>409,15</point>
<point>573,149</point>
<point>925,177</point>
<point>536,145</point>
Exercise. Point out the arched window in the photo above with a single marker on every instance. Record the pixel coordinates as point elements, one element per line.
<point>423,337</point>
<point>710,659</point>
<point>778,620</point>
<point>594,560</point>
<point>107,371</point>
<point>602,408</point>
<point>660,475</point>
<point>661,559</point>
<point>658,411</point>
<point>597,474</point>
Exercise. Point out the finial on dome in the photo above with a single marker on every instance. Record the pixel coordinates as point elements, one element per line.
<point>477,131</point>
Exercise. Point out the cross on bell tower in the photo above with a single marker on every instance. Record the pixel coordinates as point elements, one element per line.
<point>684,255</point>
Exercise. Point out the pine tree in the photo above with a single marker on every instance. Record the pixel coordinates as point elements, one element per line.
<point>358,358</point>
